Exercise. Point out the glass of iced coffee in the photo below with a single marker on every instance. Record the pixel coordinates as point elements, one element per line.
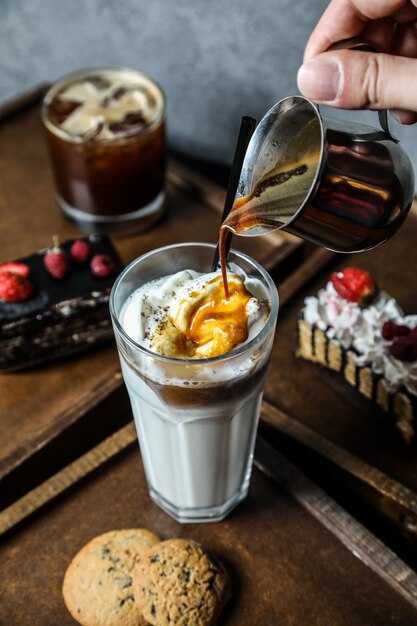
<point>194,363</point>
<point>105,131</point>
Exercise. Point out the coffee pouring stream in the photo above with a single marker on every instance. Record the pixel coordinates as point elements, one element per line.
<point>345,186</point>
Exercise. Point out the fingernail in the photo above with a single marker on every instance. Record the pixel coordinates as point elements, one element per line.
<point>319,80</point>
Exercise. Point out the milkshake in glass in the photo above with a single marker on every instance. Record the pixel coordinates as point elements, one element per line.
<point>194,364</point>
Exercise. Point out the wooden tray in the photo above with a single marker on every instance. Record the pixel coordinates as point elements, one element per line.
<point>51,414</point>
<point>349,451</point>
<point>44,430</point>
<point>286,567</point>
<point>343,441</point>
<point>278,554</point>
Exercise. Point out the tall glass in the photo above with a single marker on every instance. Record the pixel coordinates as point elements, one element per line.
<point>196,419</point>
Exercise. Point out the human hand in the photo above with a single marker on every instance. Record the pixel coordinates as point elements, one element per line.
<point>349,79</point>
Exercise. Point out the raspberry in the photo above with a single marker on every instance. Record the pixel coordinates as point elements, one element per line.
<point>56,261</point>
<point>14,288</point>
<point>391,330</point>
<point>413,334</point>
<point>101,265</point>
<point>404,349</point>
<point>21,269</point>
<point>354,285</point>
<point>80,251</point>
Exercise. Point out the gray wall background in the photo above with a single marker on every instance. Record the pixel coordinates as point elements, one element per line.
<point>216,59</point>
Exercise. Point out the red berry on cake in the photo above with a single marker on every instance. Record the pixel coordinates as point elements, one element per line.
<point>80,251</point>
<point>354,285</point>
<point>404,349</point>
<point>56,261</point>
<point>101,265</point>
<point>21,269</point>
<point>14,287</point>
<point>413,334</point>
<point>391,330</point>
<point>374,349</point>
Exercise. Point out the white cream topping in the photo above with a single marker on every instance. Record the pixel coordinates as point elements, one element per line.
<point>361,329</point>
<point>148,314</point>
<point>101,106</point>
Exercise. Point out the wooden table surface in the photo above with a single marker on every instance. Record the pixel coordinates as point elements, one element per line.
<point>352,448</point>
<point>286,567</point>
<point>31,416</point>
<point>334,410</point>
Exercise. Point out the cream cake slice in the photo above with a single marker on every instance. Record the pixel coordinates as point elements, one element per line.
<point>360,332</point>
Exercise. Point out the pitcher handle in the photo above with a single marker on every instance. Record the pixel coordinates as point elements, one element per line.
<point>383,120</point>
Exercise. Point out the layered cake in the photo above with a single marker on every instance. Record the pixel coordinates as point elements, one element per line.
<point>359,331</point>
<point>56,302</point>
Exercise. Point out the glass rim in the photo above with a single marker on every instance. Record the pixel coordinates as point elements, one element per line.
<point>123,137</point>
<point>273,299</point>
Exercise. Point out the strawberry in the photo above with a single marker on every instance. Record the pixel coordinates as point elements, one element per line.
<point>56,261</point>
<point>101,265</point>
<point>80,251</point>
<point>354,285</point>
<point>14,288</point>
<point>21,269</point>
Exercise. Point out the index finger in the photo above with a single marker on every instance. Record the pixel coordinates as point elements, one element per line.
<point>344,19</point>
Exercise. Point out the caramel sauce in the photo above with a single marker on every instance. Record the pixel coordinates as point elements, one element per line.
<point>218,323</point>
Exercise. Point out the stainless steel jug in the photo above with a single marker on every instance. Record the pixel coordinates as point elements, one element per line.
<point>361,183</point>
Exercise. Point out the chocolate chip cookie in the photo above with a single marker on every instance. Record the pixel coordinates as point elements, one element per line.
<point>178,583</point>
<point>97,585</point>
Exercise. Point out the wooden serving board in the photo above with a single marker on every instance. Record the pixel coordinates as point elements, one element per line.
<point>286,567</point>
<point>297,571</point>
<point>341,439</point>
<point>53,413</point>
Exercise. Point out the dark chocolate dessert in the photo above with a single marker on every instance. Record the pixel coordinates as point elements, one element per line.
<point>58,314</point>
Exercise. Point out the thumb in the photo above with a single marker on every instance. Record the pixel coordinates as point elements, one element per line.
<point>353,79</point>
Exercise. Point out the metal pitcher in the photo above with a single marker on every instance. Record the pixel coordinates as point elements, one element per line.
<point>359,193</point>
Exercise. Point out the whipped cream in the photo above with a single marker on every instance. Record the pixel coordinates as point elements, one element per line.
<point>185,315</point>
<point>361,329</point>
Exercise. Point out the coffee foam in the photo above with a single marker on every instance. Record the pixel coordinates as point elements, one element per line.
<point>151,304</point>
<point>154,303</point>
<point>105,105</point>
